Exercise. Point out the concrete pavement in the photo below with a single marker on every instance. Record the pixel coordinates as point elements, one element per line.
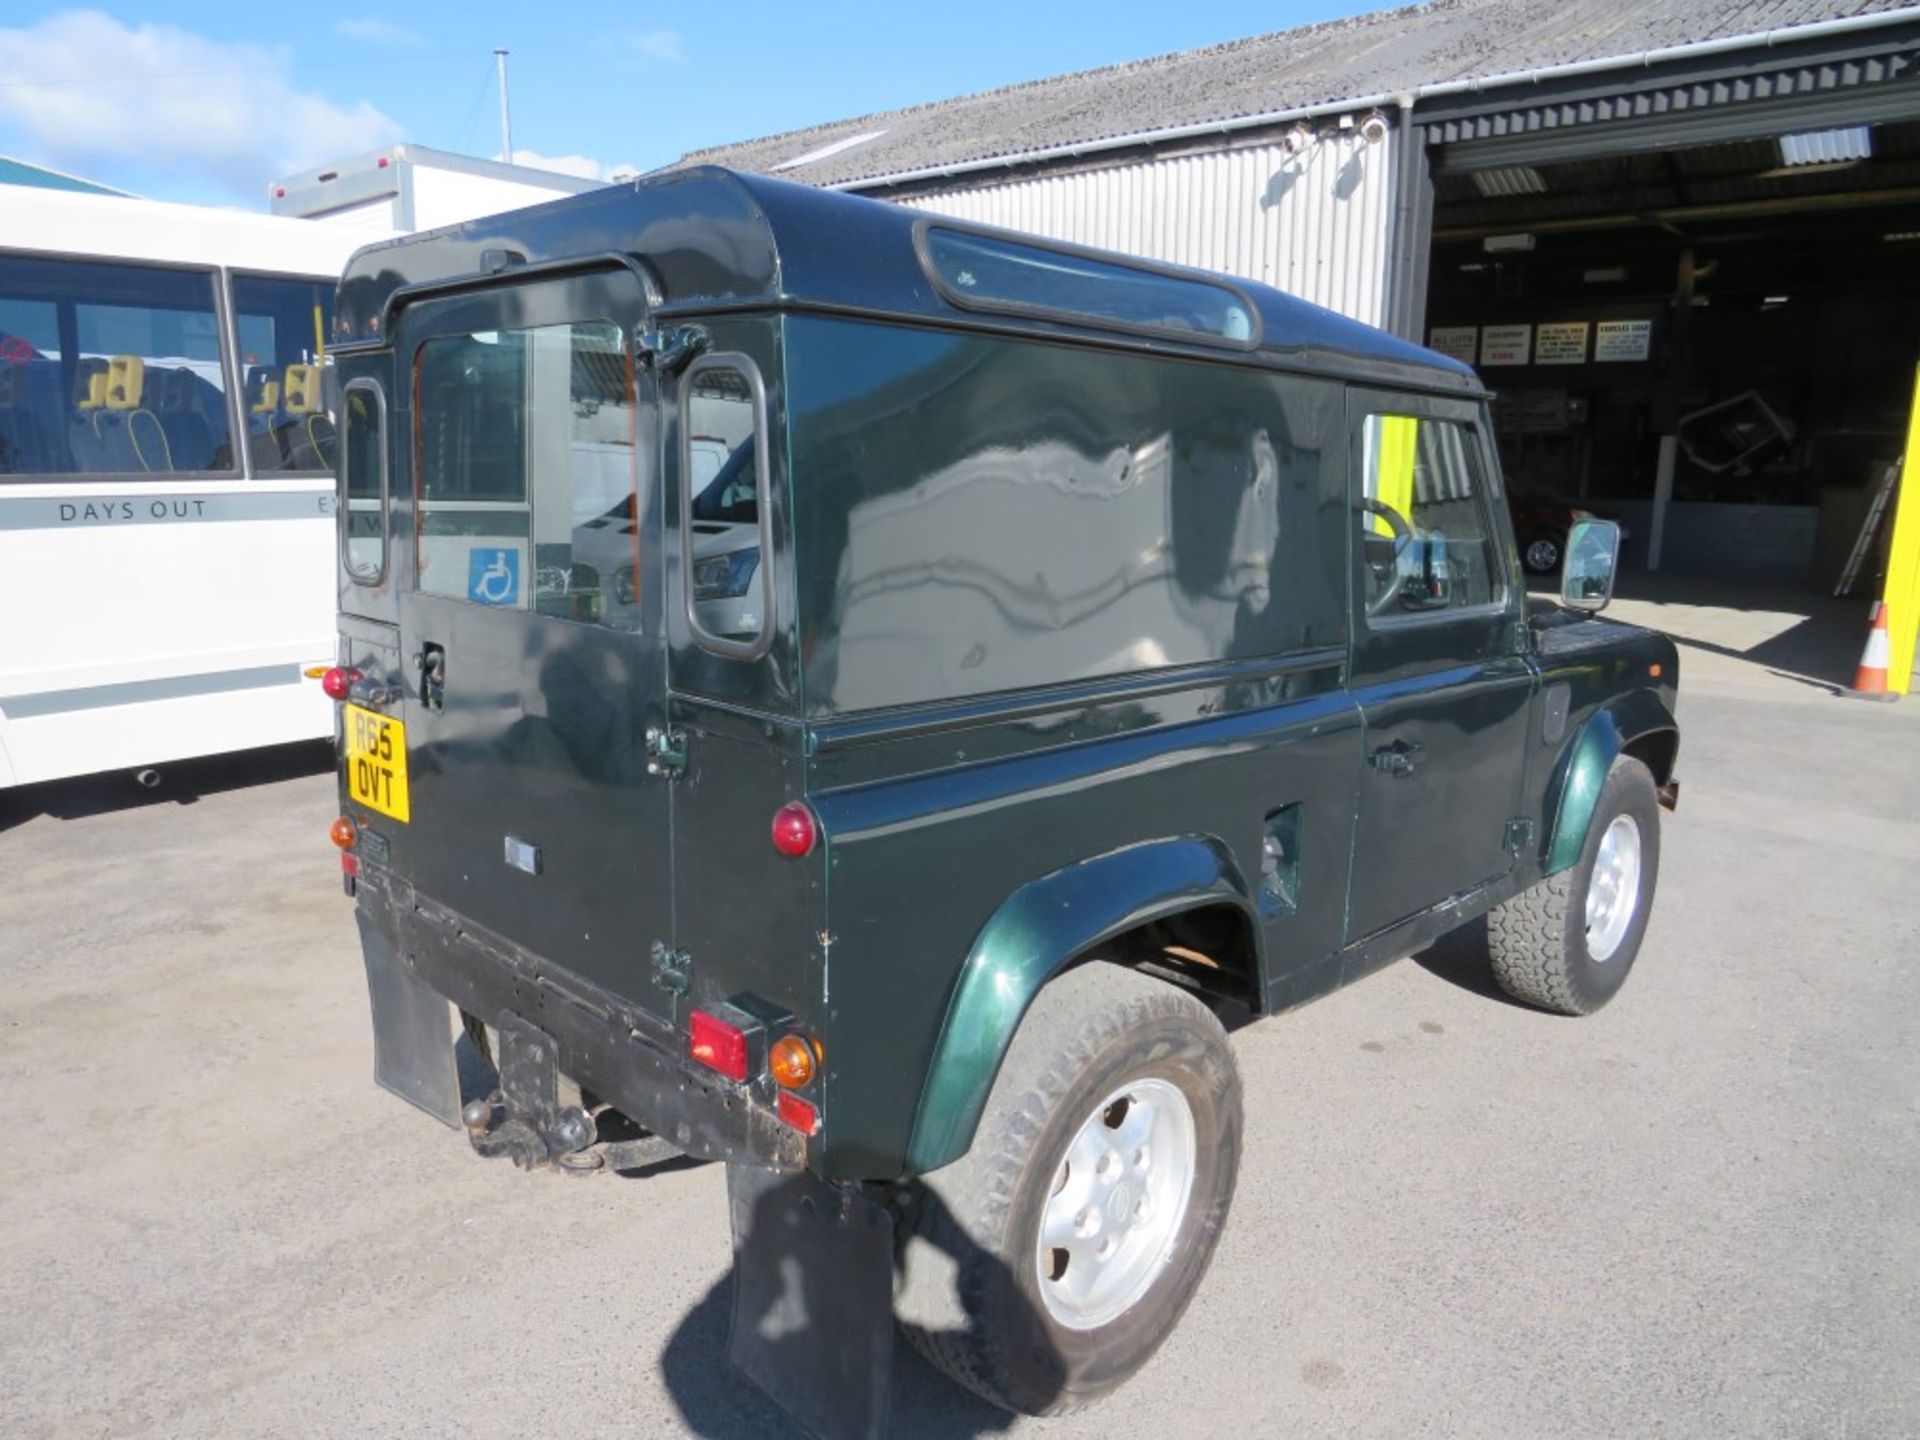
<point>1696,1214</point>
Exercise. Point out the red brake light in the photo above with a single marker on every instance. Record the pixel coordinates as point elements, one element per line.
<point>798,1113</point>
<point>349,863</point>
<point>717,1045</point>
<point>338,681</point>
<point>794,830</point>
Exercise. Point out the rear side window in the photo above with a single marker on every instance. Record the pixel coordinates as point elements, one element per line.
<point>110,370</point>
<point>526,483</point>
<point>363,482</point>
<point>1425,542</point>
<point>727,529</point>
<point>282,326</point>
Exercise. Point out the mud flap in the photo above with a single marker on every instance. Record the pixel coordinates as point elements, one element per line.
<point>412,1030</point>
<point>813,1299</point>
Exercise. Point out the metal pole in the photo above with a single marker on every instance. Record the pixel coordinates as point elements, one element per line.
<point>506,120</point>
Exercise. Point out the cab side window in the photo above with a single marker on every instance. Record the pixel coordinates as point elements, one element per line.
<point>1425,541</point>
<point>527,485</point>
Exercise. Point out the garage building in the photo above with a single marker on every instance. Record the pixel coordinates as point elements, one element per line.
<point>1680,239</point>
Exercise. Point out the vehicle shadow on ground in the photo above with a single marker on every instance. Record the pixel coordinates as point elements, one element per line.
<point>1460,957</point>
<point>718,1401</point>
<point>183,782</point>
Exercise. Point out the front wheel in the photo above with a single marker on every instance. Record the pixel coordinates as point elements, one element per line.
<point>1046,1266</point>
<point>1567,944</point>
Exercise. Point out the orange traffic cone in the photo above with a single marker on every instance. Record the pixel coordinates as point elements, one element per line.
<point>1870,680</point>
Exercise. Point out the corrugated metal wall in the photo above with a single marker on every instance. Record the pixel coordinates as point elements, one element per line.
<point>1315,225</point>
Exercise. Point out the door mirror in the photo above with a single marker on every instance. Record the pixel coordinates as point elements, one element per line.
<point>1593,555</point>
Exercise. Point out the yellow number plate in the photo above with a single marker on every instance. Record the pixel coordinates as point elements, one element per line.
<point>377,762</point>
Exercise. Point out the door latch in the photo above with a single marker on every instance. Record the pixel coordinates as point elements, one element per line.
<point>666,751</point>
<point>1399,758</point>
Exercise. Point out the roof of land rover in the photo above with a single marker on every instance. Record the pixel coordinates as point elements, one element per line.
<point>712,238</point>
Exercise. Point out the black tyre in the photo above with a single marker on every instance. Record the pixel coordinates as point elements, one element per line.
<point>1114,1130</point>
<point>1542,551</point>
<point>1567,944</point>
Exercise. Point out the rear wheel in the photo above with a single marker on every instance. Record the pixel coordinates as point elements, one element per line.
<point>1046,1266</point>
<point>1567,944</point>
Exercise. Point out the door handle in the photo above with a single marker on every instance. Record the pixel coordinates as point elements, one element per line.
<point>1399,758</point>
<point>432,663</point>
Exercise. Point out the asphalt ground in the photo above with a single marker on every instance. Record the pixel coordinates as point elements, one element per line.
<point>1695,1214</point>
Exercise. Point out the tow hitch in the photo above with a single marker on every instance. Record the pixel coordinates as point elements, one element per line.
<point>525,1121</point>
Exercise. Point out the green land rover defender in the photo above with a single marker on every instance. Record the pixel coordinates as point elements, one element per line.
<point>870,700</point>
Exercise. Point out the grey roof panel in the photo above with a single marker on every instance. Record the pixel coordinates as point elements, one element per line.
<point>1388,53</point>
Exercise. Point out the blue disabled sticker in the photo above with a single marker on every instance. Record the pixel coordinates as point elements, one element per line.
<point>493,577</point>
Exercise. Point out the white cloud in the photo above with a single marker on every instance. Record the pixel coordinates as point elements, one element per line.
<point>90,92</point>
<point>667,46</point>
<point>374,31</point>
<point>583,166</point>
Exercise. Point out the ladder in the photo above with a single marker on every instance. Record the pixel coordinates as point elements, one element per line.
<point>1869,527</point>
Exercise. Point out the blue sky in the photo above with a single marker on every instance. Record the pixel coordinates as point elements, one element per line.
<point>206,102</point>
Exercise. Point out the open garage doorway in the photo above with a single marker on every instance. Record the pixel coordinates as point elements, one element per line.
<point>1752,308</point>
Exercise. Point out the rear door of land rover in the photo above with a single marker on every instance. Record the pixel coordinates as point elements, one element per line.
<point>531,632</point>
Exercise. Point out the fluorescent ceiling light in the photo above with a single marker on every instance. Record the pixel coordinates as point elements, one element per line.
<point>1495,244</point>
<point>1604,274</point>
<point>827,151</point>
<point>1848,146</point>
<point>1508,181</point>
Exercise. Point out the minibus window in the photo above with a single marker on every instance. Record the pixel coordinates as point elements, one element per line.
<point>363,483</point>
<point>1425,541</point>
<point>110,370</point>
<point>282,325</point>
<point>726,535</point>
<point>527,496</point>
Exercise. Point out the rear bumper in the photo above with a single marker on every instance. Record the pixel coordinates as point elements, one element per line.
<point>421,956</point>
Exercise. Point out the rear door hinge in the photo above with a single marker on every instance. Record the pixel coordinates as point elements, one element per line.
<point>670,968</point>
<point>666,751</point>
<point>671,351</point>
<point>1519,835</point>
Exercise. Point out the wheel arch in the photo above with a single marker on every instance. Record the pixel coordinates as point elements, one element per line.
<point>1637,724</point>
<point>1126,905</point>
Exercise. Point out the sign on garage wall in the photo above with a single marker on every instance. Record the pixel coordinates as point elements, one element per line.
<point>1506,344</point>
<point>1560,344</point>
<point>1622,340</point>
<point>1456,342</point>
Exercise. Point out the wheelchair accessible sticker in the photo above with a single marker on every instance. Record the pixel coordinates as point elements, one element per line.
<point>493,577</point>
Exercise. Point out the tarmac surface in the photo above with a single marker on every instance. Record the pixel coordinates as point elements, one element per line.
<point>1697,1213</point>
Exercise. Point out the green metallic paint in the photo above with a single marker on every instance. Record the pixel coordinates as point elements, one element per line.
<point>1583,770</point>
<point>1031,938</point>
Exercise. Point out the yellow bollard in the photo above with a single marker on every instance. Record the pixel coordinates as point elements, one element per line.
<point>1902,593</point>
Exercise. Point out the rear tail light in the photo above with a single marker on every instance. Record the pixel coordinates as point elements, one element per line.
<point>794,830</point>
<point>717,1045</point>
<point>349,863</point>
<point>798,1113</point>
<point>338,681</point>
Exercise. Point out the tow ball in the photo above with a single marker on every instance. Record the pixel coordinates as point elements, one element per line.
<point>524,1120</point>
